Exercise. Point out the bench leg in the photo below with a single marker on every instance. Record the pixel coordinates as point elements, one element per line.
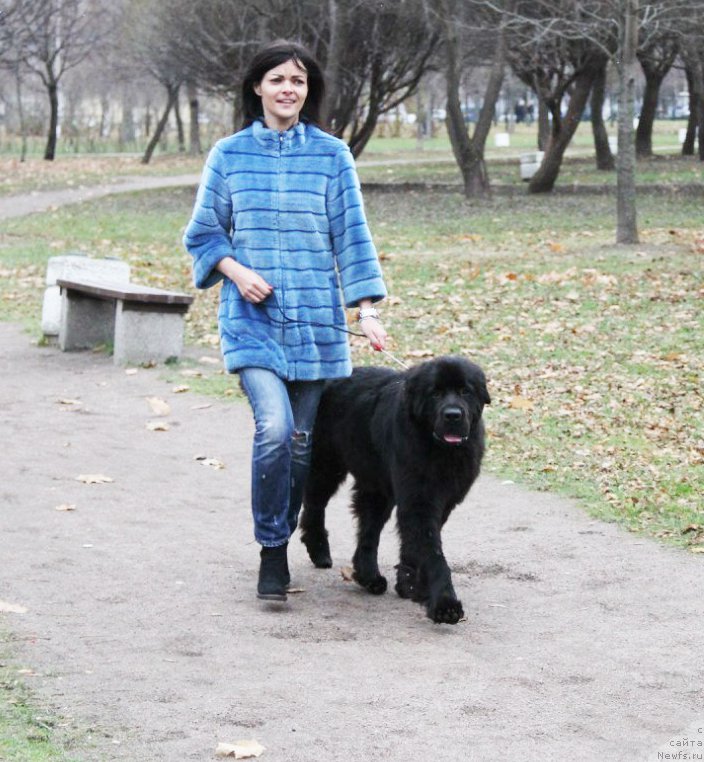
<point>85,322</point>
<point>145,334</point>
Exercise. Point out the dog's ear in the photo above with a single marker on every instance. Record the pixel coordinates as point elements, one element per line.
<point>484,392</point>
<point>413,396</point>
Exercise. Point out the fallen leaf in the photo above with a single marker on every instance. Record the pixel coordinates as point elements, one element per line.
<point>521,403</point>
<point>240,749</point>
<point>347,573</point>
<point>698,549</point>
<point>94,479</point>
<point>66,507</point>
<point>181,389</point>
<point>204,406</point>
<point>209,360</point>
<point>12,608</point>
<point>158,426</point>
<point>294,590</point>
<point>131,372</point>
<point>70,402</point>
<point>420,353</point>
<point>192,373</point>
<point>212,462</point>
<point>159,406</point>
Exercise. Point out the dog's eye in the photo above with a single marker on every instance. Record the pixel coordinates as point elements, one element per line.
<point>466,392</point>
<point>437,394</point>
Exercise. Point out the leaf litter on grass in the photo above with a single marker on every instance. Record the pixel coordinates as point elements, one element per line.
<point>596,368</point>
<point>604,342</point>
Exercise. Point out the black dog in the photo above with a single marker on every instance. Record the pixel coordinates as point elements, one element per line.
<point>414,440</point>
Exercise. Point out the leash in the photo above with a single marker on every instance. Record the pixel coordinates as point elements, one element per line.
<point>291,321</point>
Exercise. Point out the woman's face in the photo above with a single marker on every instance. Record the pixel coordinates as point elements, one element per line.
<point>283,91</point>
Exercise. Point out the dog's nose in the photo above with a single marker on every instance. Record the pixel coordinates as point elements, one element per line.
<point>452,414</point>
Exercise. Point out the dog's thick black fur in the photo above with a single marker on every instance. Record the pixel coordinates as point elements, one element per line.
<point>413,439</point>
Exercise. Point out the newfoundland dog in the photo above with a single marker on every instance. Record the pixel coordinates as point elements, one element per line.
<point>414,440</point>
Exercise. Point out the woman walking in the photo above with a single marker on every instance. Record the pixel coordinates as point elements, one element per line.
<point>279,220</point>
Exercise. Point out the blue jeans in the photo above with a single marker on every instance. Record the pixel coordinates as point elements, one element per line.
<point>284,413</point>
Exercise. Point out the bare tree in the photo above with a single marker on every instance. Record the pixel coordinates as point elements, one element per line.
<point>53,36</point>
<point>555,66</point>
<point>11,61</point>
<point>692,53</point>
<point>611,28</point>
<point>377,54</point>
<point>154,44</point>
<point>487,42</point>
<point>374,54</point>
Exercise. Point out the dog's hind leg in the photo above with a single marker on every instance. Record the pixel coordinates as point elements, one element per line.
<point>372,510</point>
<point>325,476</point>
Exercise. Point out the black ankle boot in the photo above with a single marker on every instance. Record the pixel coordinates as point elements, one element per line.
<point>274,576</point>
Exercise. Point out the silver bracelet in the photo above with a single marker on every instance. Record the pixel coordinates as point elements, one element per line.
<point>367,312</point>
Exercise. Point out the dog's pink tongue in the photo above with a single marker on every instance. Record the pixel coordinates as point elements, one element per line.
<point>452,440</point>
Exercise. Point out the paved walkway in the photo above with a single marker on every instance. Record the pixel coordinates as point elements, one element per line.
<point>581,642</point>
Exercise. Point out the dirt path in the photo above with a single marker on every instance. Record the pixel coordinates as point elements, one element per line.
<point>581,642</point>
<point>41,201</point>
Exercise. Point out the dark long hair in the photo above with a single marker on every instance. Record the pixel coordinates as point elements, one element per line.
<point>267,58</point>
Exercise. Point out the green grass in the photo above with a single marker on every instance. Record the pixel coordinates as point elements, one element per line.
<point>595,353</point>
<point>28,733</point>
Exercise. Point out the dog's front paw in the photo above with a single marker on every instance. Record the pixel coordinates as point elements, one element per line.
<point>319,551</point>
<point>408,584</point>
<point>405,580</point>
<point>447,610</point>
<point>374,585</point>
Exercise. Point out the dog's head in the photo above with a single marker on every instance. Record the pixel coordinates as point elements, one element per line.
<point>446,397</point>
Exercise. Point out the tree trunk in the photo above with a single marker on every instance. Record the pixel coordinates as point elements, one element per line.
<point>332,69</point>
<point>604,157</point>
<point>20,113</point>
<point>691,136</point>
<point>104,125</point>
<point>696,69</point>
<point>543,181</point>
<point>360,137</point>
<point>543,125</point>
<point>469,152</point>
<point>194,147</point>
<point>491,94</point>
<point>470,163</point>
<point>172,93</point>
<point>644,131</point>
<point>179,124</point>
<point>53,92</point>
<point>127,131</point>
<point>626,223</point>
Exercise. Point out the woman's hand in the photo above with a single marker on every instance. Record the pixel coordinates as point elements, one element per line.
<point>250,284</point>
<point>374,331</point>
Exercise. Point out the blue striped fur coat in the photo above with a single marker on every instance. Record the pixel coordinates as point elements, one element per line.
<point>287,205</point>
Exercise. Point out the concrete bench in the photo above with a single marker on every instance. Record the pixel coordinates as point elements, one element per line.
<point>143,324</point>
<point>530,163</point>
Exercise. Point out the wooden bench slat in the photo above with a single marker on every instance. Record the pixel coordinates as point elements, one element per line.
<point>127,292</point>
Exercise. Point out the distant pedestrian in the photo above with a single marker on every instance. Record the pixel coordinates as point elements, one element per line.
<point>279,220</point>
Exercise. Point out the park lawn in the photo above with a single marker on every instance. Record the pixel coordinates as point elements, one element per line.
<point>594,353</point>
<point>429,160</point>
